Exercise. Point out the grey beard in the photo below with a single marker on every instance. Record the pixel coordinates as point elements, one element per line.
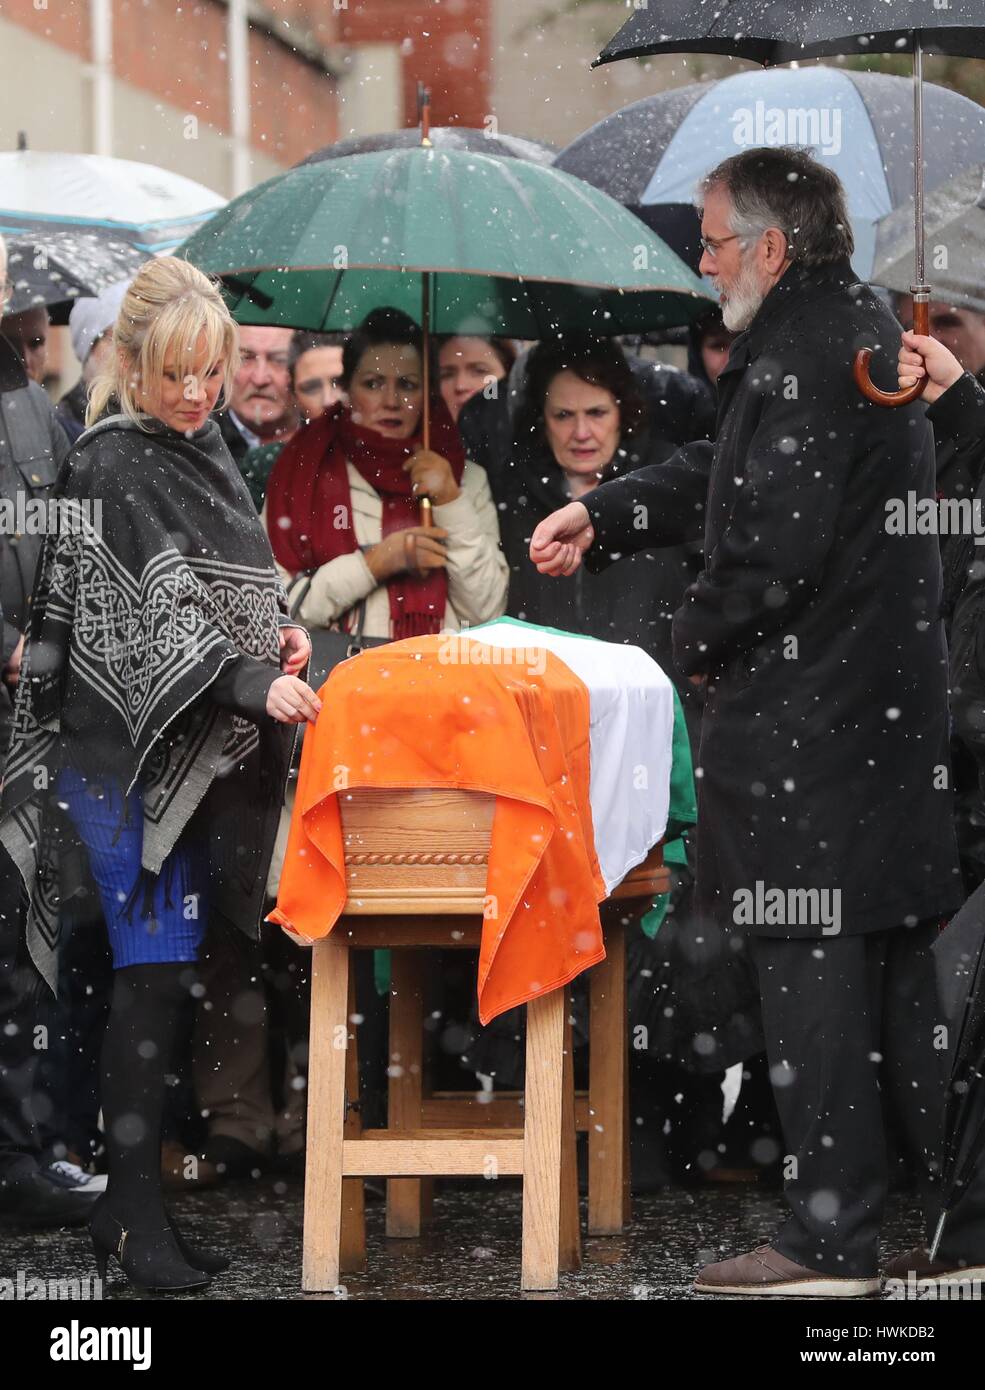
<point>743,302</point>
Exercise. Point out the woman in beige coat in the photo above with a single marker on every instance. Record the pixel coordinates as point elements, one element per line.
<point>342,506</point>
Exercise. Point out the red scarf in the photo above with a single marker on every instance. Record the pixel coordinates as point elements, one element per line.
<point>309,504</point>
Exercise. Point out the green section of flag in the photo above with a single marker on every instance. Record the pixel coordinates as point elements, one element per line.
<point>682,814</point>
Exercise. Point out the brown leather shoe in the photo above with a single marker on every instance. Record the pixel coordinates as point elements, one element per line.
<point>918,1263</point>
<point>764,1272</point>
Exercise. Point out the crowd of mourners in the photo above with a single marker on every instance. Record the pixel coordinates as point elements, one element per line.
<point>165,764</point>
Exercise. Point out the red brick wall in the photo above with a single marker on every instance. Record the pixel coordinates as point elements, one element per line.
<point>65,22</point>
<point>177,54</point>
<point>293,106</point>
<point>449,48</point>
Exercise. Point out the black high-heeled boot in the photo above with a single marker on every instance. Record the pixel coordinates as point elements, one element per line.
<point>130,1221</point>
<point>151,1260</point>
<point>197,1256</point>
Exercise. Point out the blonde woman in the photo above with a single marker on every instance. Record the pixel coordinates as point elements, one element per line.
<point>159,678</point>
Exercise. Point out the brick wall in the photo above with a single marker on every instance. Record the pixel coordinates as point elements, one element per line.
<point>176,53</point>
<point>448,46</point>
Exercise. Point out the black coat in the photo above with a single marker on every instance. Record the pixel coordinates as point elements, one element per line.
<point>70,412</point>
<point>236,442</point>
<point>824,757</point>
<point>958,418</point>
<point>32,447</point>
<point>960,457</point>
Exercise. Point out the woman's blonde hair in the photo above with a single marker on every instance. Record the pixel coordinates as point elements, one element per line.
<point>168,305</point>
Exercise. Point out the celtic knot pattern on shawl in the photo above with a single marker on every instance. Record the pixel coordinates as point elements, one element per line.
<point>131,622</point>
<point>136,637</point>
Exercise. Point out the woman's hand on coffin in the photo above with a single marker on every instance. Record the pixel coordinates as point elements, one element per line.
<point>290,701</point>
<point>295,649</point>
<point>417,549</point>
<point>561,539</point>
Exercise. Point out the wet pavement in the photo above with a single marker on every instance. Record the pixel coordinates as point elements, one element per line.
<point>471,1250</point>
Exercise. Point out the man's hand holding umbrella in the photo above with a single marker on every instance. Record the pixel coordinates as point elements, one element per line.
<point>922,356</point>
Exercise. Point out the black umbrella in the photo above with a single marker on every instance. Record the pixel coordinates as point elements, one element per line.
<point>443,137</point>
<point>785,31</point>
<point>782,31</point>
<point>60,267</point>
<point>960,960</point>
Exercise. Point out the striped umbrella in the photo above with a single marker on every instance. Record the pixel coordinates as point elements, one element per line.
<point>115,199</point>
<point>650,155</point>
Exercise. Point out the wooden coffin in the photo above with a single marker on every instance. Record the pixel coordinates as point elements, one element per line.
<point>427,850</point>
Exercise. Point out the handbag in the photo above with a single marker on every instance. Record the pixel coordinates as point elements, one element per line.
<point>332,645</point>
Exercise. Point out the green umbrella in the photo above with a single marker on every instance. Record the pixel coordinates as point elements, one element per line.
<point>463,242</point>
<point>510,247</point>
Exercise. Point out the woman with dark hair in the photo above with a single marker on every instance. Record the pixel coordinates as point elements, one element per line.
<point>584,416</point>
<point>709,344</point>
<point>467,364</point>
<point>342,507</point>
<point>582,419</point>
<point>314,363</point>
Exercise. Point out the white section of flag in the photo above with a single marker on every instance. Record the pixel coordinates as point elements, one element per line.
<point>631,730</point>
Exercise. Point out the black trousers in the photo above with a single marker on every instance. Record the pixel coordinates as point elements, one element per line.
<point>20,1012</point>
<point>851,1034</point>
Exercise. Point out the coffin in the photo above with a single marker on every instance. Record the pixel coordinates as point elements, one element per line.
<point>414,850</point>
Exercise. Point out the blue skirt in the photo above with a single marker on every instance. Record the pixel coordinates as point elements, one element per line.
<point>149,920</point>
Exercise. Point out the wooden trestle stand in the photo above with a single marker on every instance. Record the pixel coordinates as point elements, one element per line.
<point>416,867</point>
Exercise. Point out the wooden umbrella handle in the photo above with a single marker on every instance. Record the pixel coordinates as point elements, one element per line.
<point>860,367</point>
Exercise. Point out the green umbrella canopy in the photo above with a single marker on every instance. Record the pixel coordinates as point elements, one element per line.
<point>512,247</point>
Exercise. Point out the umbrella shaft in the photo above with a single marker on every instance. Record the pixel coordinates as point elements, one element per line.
<point>920,257</point>
<point>426,331</point>
<point>937,1235</point>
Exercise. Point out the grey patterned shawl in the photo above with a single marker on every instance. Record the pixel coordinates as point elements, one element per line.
<point>158,577</point>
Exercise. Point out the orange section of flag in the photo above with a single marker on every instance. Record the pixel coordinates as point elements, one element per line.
<point>402,716</point>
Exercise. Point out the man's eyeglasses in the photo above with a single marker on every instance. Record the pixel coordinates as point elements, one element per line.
<point>711,247</point>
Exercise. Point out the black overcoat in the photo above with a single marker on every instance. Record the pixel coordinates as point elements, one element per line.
<point>824,747</point>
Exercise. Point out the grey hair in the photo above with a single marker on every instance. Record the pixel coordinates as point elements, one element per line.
<point>784,186</point>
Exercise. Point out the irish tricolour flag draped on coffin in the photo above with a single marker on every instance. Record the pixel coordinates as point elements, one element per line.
<point>574,738</point>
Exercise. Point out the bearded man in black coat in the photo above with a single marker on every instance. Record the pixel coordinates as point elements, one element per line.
<point>824,841</point>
